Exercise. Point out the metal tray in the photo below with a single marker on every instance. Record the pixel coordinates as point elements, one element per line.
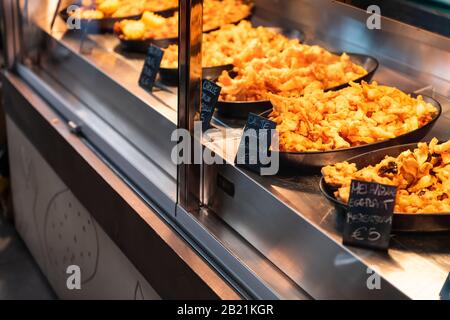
<point>141,46</point>
<point>241,109</point>
<point>317,159</point>
<point>169,76</point>
<point>402,222</point>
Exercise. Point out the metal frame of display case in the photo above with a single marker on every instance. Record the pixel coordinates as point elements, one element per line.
<point>189,93</point>
<point>276,237</point>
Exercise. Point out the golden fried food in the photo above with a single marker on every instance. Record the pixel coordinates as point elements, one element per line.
<point>88,14</point>
<point>99,9</point>
<point>293,71</point>
<point>150,26</point>
<point>422,178</point>
<point>170,57</point>
<point>126,10</point>
<point>356,115</point>
<point>232,44</point>
<point>109,7</point>
<point>215,14</point>
<point>220,12</point>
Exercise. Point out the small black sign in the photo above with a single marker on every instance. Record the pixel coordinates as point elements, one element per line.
<point>445,292</point>
<point>254,147</point>
<point>368,222</point>
<point>210,95</point>
<point>150,68</point>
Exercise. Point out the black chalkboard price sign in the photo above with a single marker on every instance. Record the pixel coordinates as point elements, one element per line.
<point>368,222</point>
<point>210,95</point>
<point>254,147</point>
<point>150,68</point>
<point>445,292</point>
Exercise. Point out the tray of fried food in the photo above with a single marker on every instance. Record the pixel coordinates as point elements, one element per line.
<point>163,31</point>
<point>421,173</point>
<point>294,70</point>
<point>151,28</point>
<point>214,62</point>
<point>222,48</point>
<point>324,127</point>
<point>101,15</point>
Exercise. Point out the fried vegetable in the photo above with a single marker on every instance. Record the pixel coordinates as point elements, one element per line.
<point>423,186</point>
<point>357,115</point>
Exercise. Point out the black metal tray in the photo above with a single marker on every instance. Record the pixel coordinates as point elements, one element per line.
<point>169,76</point>
<point>166,13</point>
<point>241,109</point>
<point>141,46</point>
<point>317,159</point>
<point>402,222</point>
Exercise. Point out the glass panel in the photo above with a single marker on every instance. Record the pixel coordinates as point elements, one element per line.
<point>93,54</point>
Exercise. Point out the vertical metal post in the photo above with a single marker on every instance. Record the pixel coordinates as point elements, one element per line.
<point>11,26</point>
<point>189,94</point>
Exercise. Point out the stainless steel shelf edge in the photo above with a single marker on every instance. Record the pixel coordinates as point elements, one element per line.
<point>255,288</point>
<point>250,272</point>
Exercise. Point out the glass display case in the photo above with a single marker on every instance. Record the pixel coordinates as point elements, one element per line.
<point>272,235</point>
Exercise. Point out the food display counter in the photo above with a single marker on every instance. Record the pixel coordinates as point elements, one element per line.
<point>258,236</point>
